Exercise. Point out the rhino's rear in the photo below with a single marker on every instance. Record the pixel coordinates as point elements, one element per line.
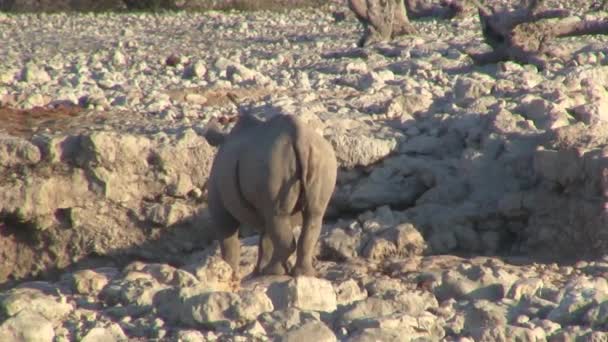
<point>277,167</point>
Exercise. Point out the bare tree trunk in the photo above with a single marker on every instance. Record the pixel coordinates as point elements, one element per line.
<point>582,28</point>
<point>600,5</point>
<point>446,9</point>
<point>382,19</point>
<point>520,34</point>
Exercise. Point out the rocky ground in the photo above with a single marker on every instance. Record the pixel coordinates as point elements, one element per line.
<point>469,203</point>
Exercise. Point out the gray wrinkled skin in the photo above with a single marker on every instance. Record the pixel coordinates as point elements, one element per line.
<point>271,175</point>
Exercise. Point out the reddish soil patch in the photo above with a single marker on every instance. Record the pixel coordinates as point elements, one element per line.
<point>220,96</point>
<point>26,122</point>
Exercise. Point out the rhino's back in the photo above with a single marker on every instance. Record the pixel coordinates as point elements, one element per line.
<point>270,173</point>
<point>322,163</point>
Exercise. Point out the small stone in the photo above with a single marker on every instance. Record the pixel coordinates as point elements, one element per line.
<point>525,287</point>
<point>181,187</point>
<point>118,58</point>
<point>221,309</point>
<point>467,90</point>
<point>190,336</point>
<point>278,322</point>
<point>136,292</point>
<point>578,294</point>
<point>357,66</point>
<point>389,184</point>
<point>8,76</point>
<point>379,287</point>
<point>252,304</point>
<point>417,327</point>
<point>348,292</point>
<point>163,273</point>
<point>591,113</point>
<point>17,151</point>
<point>311,331</point>
<point>111,333</point>
<point>255,329</point>
<point>167,214</point>
<point>545,114</point>
<point>304,293</point>
<point>483,313</point>
<point>214,272</point>
<point>407,238</point>
<point>303,81</point>
<point>341,244</point>
<point>96,101</point>
<point>475,283</point>
<point>90,282</point>
<point>379,249</point>
<point>197,193</point>
<point>370,308</point>
<point>33,100</point>
<point>548,326</point>
<point>197,99</point>
<point>32,73</point>
<point>36,301</point>
<point>198,69</point>
<point>208,309</point>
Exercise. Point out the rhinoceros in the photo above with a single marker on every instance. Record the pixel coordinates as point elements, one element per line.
<point>270,175</point>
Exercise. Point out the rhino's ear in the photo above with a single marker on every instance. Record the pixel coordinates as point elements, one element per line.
<point>213,133</point>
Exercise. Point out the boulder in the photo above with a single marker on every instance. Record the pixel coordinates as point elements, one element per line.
<point>304,293</point>
<point>348,292</point>
<point>357,149</point>
<point>36,301</point>
<point>27,326</point>
<point>220,310</point>
<point>577,297</point>
<point>111,333</point>
<point>278,322</point>
<point>17,151</point>
<point>90,282</point>
<point>315,331</point>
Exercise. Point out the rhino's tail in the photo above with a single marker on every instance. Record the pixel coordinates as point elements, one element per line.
<point>303,152</point>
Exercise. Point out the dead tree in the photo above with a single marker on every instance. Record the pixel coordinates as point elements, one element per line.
<point>599,5</point>
<point>522,34</point>
<point>382,19</point>
<point>445,9</point>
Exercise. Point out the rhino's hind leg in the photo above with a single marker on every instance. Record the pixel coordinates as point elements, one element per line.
<point>231,250</point>
<point>265,249</point>
<point>311,228</point>
<point>227,232</point>
<point>278,228</point>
